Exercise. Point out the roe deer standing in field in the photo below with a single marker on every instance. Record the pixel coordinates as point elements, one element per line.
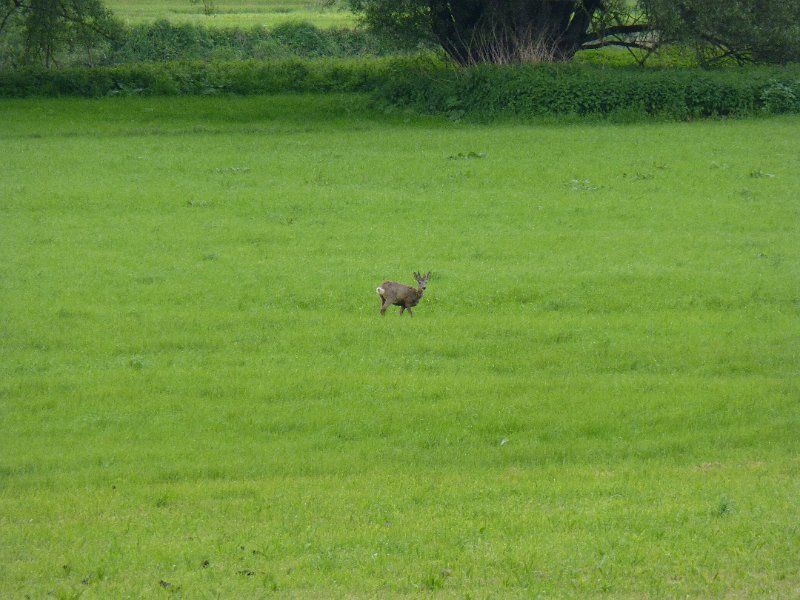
<point>401,295</point>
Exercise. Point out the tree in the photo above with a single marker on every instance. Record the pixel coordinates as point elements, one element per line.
<point>746,30</point>
<point>47,27</point>
<point>475,31</point>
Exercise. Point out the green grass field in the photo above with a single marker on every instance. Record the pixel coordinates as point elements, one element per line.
<point>598,395</point>
<point>233,13</point>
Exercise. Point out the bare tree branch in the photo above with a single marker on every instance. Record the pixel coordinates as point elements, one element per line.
<point>618,30</point>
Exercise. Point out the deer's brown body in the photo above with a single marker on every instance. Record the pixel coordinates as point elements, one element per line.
<point>399,294</point>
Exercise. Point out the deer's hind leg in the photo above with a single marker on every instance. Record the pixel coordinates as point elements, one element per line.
<point>384,306</point>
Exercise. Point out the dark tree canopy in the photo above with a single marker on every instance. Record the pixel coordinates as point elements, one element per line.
<point>747,30</point>
<point>48,26</point>
<point>474,31</point>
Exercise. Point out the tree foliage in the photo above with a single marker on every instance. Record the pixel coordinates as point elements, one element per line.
<point>47,27</point>
<point>476,31</point>
<point>765,31</point>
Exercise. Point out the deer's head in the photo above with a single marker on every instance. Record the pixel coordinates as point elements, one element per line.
<point>422,281</point>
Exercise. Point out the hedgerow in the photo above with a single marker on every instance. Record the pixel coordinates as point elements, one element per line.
<point>165,41</point>
<point>489,91</point>
<point>219,77</point>
<point>424,83</point>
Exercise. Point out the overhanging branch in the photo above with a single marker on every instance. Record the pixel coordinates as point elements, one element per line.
<point>621,43</point>
<point>618,30</point>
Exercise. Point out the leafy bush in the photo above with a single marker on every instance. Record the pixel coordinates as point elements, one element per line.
<point>195,78</point>
<point>780,97</point>
<point>164,41</point>
<point>161,41</point>
<point>426,84</point>
<point>487,91</point>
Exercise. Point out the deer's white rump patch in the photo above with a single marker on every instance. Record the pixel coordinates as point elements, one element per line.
<point>380,290</point>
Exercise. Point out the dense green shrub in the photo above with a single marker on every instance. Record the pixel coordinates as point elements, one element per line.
<point>196,78</point>
<point>780,97</point>
<point>426,84</point>
<point>487,91</point>
<point>165,41</point>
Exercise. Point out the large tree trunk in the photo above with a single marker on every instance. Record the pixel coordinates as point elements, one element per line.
<point>475,31</point>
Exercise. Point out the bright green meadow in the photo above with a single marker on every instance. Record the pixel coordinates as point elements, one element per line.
<point>597,397</point>
<point>233,13</point>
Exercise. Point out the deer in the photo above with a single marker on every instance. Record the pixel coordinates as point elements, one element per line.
<point>404,296</point>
